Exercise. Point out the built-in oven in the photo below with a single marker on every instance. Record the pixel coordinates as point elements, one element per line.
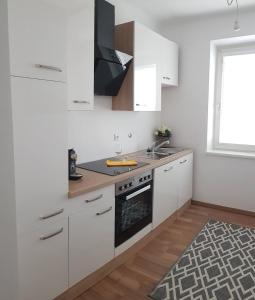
<point>133,206</point>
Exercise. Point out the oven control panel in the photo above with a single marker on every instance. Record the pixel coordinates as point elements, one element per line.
<point>132,183</point>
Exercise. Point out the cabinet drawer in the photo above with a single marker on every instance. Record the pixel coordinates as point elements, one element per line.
<point>91,240</point>
<point>43,262</point>
<point>166,168</point>
<point>93,201</point>
<point>37,36</point>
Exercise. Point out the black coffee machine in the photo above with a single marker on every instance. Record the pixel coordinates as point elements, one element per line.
<point>72,159</point>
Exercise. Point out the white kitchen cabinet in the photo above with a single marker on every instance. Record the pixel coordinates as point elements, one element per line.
<point>165,194</point>
<point>172,188</point>
<point>141,90</point>
<point>169,66</point>
<point>185,169</point>
<point>40,150</point>
<point>155,64</point>
<point>80,58</point>
<point>91,235</point>
<point>37,37</point>
<point>147,87</point>
<point>43,262</point>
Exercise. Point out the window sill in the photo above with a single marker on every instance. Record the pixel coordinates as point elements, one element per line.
<point>238,154</point>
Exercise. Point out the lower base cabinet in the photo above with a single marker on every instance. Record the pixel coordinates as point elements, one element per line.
<point>172,188</point>
<point>91,236</point>
<point>165,195</point>
<point>43,262</point>
<point>56,256</point>
<point>185,170</point>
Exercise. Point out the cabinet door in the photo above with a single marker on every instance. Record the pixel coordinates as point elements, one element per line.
<point>40,149</point>
<point>147,77</point>
<point>91,239</point>
<point>185,166</point>
<point>43,262</point>
<point>170,65</point>
<point>80,58</point>
<point>37,31</point>
<point>165,192</point>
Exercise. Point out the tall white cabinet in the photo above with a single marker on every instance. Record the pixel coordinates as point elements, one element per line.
<point>40,149</point>
<point>80,57</point>
<point>37,40</point>
<point>42,261</point>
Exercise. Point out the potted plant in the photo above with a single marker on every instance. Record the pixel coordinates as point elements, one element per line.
<point>162,134</point>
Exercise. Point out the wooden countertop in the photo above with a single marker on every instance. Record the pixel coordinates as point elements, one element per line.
<point>92,181</point>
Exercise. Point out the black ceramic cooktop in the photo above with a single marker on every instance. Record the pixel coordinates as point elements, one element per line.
<point>100,166</point>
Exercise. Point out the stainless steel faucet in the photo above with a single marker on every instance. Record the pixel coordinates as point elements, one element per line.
<point>155,147</point>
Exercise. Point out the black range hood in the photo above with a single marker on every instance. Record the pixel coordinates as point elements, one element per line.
<point>111,66</point>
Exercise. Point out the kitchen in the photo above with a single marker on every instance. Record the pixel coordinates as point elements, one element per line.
<point>77,239</point>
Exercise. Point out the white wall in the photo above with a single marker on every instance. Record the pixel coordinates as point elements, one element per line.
<point>126,12</point>
<point>218,180</point>
<point>91,133</point>
<point>8,246</point>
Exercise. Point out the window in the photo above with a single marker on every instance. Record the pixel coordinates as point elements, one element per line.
<point>233,103</point>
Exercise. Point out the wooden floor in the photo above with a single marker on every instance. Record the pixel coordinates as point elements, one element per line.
<point>138,276</point>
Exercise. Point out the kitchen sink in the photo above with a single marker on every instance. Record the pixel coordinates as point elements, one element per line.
<point>163,152</point>
<point>157,155</point>
<point>169,150</point>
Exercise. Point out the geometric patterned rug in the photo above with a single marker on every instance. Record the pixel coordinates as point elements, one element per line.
<point>218,265</point>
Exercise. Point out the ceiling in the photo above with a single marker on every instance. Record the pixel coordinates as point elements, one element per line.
<point>161,10</point>
<point>172,9</point>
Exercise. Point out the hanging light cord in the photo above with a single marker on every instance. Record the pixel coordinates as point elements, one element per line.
<point>230,2</point>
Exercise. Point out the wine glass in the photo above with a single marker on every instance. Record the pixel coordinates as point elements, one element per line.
<point>118,149</point>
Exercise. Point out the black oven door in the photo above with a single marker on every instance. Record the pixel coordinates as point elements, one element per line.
<point>133,212</point>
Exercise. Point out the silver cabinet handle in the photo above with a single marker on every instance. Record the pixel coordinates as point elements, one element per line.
<point>143,105</point>
<point>169,169</point>
<point>51,235</point>
<point>183,162</point>
<point>81,102</point>
<point>52,215</point>
<point>94,199</point>
<point>104,212</point>
<point>52,68</point>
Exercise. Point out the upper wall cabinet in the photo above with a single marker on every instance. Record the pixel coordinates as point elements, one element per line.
<point>37,36</point>
<point>147,89</point>
<point>80,58</point>
<point>169,58</point>
<point>155,64</point>
<point>141,89</point>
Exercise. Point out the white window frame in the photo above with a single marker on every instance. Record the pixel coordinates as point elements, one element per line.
<point>221,52</point>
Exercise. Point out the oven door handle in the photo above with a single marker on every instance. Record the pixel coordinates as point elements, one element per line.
<point>146,188</point>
